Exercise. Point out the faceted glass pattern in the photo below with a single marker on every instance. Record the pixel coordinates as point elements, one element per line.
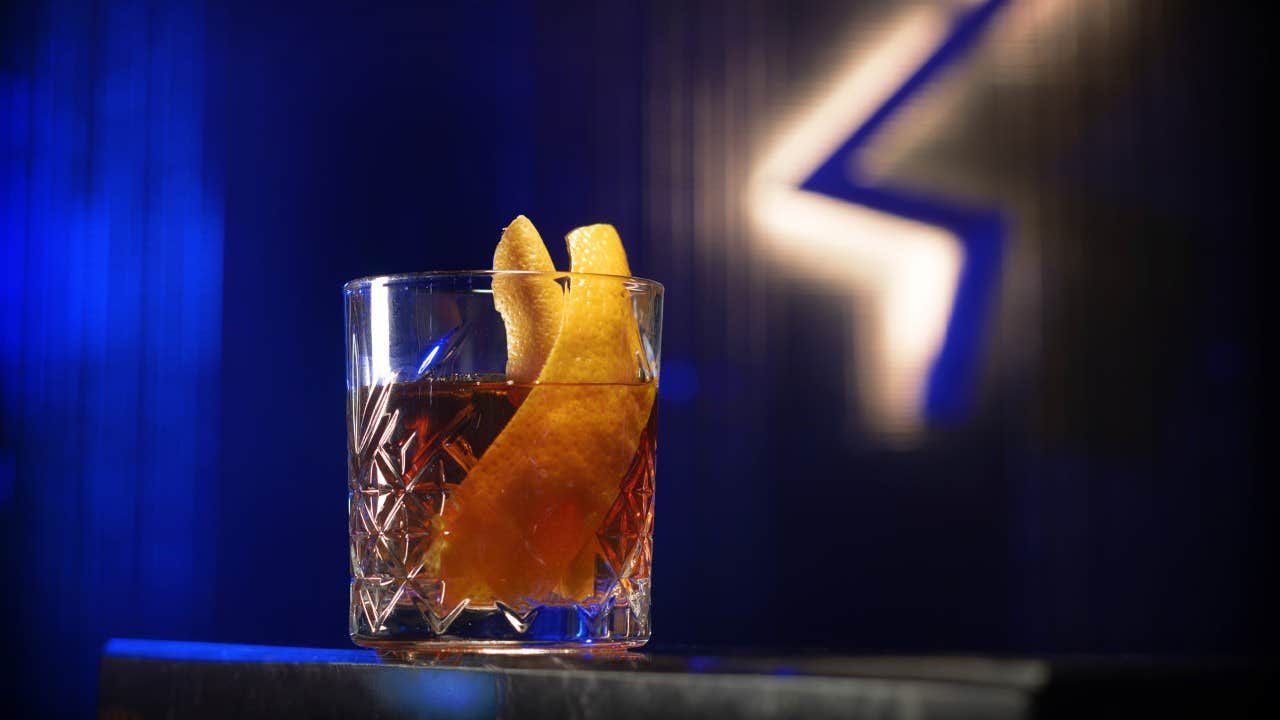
<point>401,480</point>
<point>411,444</point>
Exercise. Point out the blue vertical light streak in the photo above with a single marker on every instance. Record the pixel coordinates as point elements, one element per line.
<point>112,289</point>
<point>15,132</point>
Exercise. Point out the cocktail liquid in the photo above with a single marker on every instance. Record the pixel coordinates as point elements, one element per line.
<point>519,563</point>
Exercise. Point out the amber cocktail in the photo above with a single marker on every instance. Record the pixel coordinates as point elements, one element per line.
<point>501,434</point>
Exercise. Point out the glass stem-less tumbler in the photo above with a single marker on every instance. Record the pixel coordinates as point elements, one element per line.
<point>501,459</point>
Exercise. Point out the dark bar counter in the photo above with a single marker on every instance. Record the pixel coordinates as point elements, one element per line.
<point>153,679</point>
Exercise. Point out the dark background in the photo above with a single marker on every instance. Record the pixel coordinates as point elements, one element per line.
<point>185,187</point>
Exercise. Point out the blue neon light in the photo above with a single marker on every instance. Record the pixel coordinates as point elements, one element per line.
<point>219,652</point>
<point>111,273</point>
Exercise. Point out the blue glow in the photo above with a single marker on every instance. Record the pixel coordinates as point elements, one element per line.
<point>679,382</point>
<point>15,149</point>
<point>431,356</point>
<point>702,663</point>
<point>111,274</point>
<point>440,693</point>
<point>442,349</point>
<point>981,230</point>
<point>218,652</point>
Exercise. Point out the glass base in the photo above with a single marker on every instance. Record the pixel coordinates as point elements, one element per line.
<point>408,651</point>
<point>543,629</point>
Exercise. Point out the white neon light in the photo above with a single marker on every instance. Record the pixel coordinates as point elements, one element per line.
<point>902,274</point>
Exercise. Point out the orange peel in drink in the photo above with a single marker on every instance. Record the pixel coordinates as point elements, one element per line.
<point>530,305</point>
<point>516,528</point>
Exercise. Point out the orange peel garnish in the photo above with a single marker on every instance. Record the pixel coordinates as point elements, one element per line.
<point>537,496</point>
<point>530,305</point>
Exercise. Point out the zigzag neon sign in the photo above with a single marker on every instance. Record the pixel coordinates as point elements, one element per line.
<point>922,267</point>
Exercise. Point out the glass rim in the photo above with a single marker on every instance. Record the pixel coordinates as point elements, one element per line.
<point>364,283</point>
